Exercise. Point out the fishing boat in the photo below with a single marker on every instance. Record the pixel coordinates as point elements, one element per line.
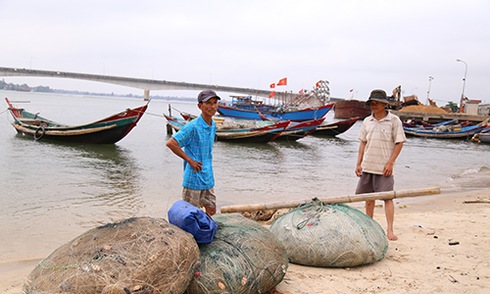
<point>448,131</point>
<point>294,131</point>
<point>278,113</point>
<point>298,130</point>
<point>335,128</point>
<point>248,103</point>
<point>484,137</point>
<point>238,131</point>
<point>105,131</point>
<point>351,108</point>
<point>412,123</point>
<point>188,116</point>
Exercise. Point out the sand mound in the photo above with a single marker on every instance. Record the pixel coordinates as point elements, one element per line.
<point>423,109</point>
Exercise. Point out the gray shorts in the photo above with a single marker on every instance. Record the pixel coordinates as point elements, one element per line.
<point>370,183</point>
<point>200,198</point>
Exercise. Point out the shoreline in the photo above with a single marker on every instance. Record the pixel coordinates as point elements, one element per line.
<point>421,261</point>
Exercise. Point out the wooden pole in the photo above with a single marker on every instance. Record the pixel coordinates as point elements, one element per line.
<point>169,127</point>
<point>333,200</point>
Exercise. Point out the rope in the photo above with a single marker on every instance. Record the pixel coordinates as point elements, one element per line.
<point>315,203</point>
<point>40,131</point>
<point>4,110</point>
<point>176,110</point>
<point>154,114</point>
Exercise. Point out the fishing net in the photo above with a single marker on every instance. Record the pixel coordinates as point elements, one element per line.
<point>137,255</point>
<point>243,124</point>
<point>319,234</point>
<point>244,257</point>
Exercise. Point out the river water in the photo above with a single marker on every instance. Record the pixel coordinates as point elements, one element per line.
<point>51,192</point>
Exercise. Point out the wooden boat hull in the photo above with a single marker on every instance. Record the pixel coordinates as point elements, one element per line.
<point>351,108</point>
<point>299,130</point>
<point>484,137</point>
<point>103,135</point>
<point>335,128</point>
<point>296,116</point>
<point>105,131</point>
<point>249,137</point>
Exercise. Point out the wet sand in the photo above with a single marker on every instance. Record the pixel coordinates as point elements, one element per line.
<point>442,248</point>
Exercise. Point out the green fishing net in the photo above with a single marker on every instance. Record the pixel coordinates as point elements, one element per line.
<point>323,235</point>
<point>138,255</point>
<point>244,257</point>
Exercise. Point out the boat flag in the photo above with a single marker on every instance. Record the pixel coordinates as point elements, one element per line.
<point>273,85</point>
<point>283,82</point>
<point>272,94</point>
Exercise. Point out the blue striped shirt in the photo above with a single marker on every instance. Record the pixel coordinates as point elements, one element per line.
<point>197,139</point>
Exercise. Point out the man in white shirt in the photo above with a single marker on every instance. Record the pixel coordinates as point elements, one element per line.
<point>382,139</point>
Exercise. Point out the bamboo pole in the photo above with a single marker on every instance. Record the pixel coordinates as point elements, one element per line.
<point>332,200</point>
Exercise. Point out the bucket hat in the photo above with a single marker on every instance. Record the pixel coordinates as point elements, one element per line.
<point>378,95</point>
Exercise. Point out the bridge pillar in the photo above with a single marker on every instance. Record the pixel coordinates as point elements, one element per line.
<point>147,95</point>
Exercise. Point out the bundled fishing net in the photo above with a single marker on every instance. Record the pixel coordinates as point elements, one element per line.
<point>319,234</point>
<point>243,124</point>
<point>244,257</point>
<point>138,255</point>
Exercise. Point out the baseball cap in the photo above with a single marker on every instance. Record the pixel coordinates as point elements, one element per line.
<point>205,95</point>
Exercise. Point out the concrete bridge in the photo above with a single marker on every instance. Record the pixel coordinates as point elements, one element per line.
<point>145,84</point>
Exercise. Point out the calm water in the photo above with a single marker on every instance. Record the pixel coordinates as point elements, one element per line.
<point>51,192</point>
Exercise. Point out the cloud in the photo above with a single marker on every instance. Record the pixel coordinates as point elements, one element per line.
<point>353,44</point>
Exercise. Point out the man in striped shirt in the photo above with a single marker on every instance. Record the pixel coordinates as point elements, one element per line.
<point>194,144</point>
<point>382,139</point>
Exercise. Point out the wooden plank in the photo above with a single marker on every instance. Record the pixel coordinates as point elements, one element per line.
<point>332,200</point>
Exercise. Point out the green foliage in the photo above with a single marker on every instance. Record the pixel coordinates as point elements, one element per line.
<point>454,107</point>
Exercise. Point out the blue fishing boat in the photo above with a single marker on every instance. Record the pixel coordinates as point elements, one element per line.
<point>304,114</point>
<point>448,131</point>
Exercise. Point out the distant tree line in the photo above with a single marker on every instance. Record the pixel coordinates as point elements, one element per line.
<point>46,89</point>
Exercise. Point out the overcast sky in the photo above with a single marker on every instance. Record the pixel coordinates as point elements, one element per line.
<point>355,45</point>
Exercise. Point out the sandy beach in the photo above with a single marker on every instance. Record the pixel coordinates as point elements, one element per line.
<point>442,248</point>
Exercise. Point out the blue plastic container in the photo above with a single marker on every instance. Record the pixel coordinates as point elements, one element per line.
<point>192,220</point>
